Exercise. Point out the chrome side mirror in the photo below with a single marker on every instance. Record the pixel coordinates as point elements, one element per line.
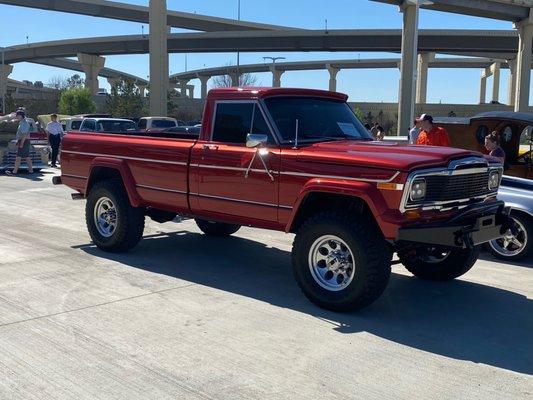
<point>255,140</point>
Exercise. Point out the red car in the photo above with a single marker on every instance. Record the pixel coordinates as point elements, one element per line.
<point>299,161</point>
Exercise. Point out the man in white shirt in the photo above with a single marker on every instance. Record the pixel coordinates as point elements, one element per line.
<point>55,134</point>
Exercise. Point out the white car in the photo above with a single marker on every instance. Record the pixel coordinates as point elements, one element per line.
<point>156,124</point>
<point>71,123</point>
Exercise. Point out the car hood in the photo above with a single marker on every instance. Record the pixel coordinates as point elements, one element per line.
<point>387,155</point>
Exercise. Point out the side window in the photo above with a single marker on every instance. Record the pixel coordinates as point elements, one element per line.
<point>142,124</point>
<point>88,125</point>
<point>233,121</point>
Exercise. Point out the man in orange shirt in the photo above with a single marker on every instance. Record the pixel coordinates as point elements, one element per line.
<point>431,134</point>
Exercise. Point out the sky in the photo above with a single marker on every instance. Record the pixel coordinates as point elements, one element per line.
<point>21,25</point>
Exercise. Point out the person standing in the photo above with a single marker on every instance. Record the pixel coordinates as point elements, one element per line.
<point>55,134</point>
<point>23,143</point>
<point>431,134</point>
<point>492,145</point>
<point>374,129</point>
<point>414,132</point>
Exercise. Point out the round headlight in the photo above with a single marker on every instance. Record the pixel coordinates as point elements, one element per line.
<point>418,189</point>
<point>494,180</point>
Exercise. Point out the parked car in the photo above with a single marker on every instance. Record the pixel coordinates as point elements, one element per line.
<point>70,123</point>
<point>296,160</point>
<point>517,243</point>
<point>156,124</point>
<point>515,131</point>
<point>191,130</point>
<point>107,125</point>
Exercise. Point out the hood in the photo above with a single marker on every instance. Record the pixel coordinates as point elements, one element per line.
<point>385,155</point>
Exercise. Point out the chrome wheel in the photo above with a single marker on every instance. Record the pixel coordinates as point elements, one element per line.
<point>331,263</point>
<point>105,217</point>
<point>513,242</point>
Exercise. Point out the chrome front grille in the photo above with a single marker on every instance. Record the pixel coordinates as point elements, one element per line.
<point>447,188</point>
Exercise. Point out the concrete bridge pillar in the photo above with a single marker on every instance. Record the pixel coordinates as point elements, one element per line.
<point>495,69</point>
<point>332,77</point>
<point>483,88</point>
<point>422,76</point>
<point>406,101</point>
<point>523,63</point>
<point>276,76</point>
<point>511,86</point>
<point>91,65</point>
<point>5,71</point>
<point>142,88</point>
<point>190,89</point>
<point>203,81</point>
<point>159,83</point>
<point>113,81</point>
<point>182,83</point>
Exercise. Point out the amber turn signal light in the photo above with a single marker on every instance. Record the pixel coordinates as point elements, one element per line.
<point>390,186</point>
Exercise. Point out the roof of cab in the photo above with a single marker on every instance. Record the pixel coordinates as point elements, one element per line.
<point>262,92</point>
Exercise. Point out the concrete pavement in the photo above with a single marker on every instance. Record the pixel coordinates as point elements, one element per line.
<point>184,316</point>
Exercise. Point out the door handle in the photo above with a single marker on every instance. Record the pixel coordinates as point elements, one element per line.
<point>210,147</point>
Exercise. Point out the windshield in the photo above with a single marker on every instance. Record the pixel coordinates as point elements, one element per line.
<point>318,119</point>
<point>75,125</point>
<point>163,123</point>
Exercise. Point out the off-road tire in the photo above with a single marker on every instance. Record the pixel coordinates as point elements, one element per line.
<point>371,260</point>
<point>130,220</point>
<point>458,262</point>
<point>218,229</point>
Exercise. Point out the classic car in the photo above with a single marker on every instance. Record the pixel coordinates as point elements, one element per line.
<point>514,129</point>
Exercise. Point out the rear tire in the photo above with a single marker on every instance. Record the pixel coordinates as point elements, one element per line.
<point>518,242</point>
<point>113,224</point>
<point>218,229</point>
<point>341,263</point>
<point>440,265</point>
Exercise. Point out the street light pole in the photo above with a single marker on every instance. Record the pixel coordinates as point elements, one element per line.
<point>4,83</point>
<point>238,53</point>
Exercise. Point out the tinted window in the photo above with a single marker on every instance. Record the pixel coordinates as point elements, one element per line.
<point>233,122</point>
<point>318,119</point>
<point>481,132</point>
<point>162,123</point>
<point>142,124</point>
<point>75,125</point>
<point>116,126</point>
<point>88,125</point>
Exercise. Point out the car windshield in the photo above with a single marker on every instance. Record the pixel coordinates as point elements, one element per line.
<point>163,123</point>
<point>319,119</point>
<point>116,126</point>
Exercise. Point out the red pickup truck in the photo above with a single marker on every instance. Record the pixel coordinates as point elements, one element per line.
<point>298,161</point>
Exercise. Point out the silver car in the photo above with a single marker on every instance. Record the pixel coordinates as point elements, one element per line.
<point>517,243</point>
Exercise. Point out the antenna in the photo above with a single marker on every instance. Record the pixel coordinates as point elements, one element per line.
<point>296,135</point>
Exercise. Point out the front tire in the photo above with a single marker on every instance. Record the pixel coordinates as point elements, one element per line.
<point>220,229</point>
<point>113,224</point>
<point>434,264</point>
<point>340,262</point>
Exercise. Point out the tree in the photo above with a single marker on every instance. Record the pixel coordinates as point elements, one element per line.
<point>359,114</point>
<point>75,81</point>
<point>76,100</point>
<point>125,99</point>
<point>245,79</point>
<point>58,82</point>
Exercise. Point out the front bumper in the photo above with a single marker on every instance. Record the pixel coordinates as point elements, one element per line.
<point>475,225</point>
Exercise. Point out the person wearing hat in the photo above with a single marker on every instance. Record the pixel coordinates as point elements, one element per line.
<point>55,134</point>
<point>23,143</point>
<point>430,133</point>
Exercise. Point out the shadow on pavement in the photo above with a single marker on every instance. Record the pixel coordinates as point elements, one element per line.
<point>458,319</point>
<point>36,176</point>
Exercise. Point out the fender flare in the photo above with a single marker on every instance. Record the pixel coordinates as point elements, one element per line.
<point>127,178</point>
<point>366,191</point>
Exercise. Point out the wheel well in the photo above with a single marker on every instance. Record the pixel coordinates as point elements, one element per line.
<point>102,173</point>
<point>317,202</point>
<point>522,213</point>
